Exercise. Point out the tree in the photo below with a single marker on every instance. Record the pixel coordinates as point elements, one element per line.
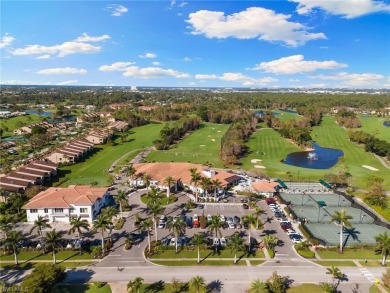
<point>39,224</point>
<point>109,212</point>
<point>121,198</point>
<point>178,227</point>
<point>153,196</point>
<point>131,172</point>
<point>216,184</point>
<point>327,287</point>
<point>176,285</point>
<point>235,245</point>
<point>336,275</point>
<point>77,225</point>
<point>5,226</point>
<point>134,286</point>
<point>277,284</point>
<point>44,278</point>
<point>199,240</point>
<point>383,246</point>
<point>206,184</point>
<point>386,278</point>
<point>146,178</point>
<point>270,241</point>
<point>257,214</point>
<point>155,210</point>
<point>195,179</point>
<point>249,220</point>
<point>169,180</point>
<point>101,224</point>
<point>342,219</point>
<point>146,225</point>
<point>258,286</point>
<point>198,284</point>
<point>12,241</point>
<point>52,240</point>
<point>215,225</point>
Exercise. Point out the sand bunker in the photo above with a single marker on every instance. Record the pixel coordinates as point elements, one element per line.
<point>213,139</point>
<point>370,168</point>
<point>201,145</point>
<point>254,161</point>
<point>259,167</point>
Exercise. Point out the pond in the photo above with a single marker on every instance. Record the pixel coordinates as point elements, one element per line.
<point>13,138</point>
<point>44,113</point>
<point>386,123</point>
<point>320,158</point>
<point>289,111</point>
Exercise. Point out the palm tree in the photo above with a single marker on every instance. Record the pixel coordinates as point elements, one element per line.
<point>198,284</point>
<point>121,198</point>
<point>14,237</point>
<point>336,274</point>
<point>195,179</point>
<point>258,212</point>
<point>178,228</point>
<point>327,287</point>
<point>216,184</point>
<point>153,196</point>
<point>199,240</point>
<point>77,224</point>
<point>258,286</point>
<point>131,172</point>
<point>155,210</point>
<point>206,184</point>
<point>145,226</point>
<point>109,212</point>
<point>146,178</point>
<point>39,224</point>
<point>383,246</point>
<point>251,221</point>
<point>52,240</point>
<point>342,219</point>
<point>102,224</point>
<point>134,286</point>
<point>169,180</point>
<point>270,241</point>
<point>5,226</point>
<point>215,225</point>
<point>235,245</point>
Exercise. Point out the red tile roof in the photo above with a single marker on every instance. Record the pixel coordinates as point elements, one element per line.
<point>264,186</point>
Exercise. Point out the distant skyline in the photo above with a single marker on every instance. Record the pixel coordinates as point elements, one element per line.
<point>255,44</point>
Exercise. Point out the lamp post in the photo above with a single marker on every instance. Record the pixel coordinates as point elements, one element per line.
<point>303,195</point>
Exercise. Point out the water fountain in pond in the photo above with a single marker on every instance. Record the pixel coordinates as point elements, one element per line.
<point>312,156</point>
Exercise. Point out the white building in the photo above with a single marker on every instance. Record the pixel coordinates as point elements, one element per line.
<point>61,204</point>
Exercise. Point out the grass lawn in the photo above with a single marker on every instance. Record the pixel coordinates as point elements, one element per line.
<point>95,167</point>
<point>384,212</point>
<point>174,263</point>
<point>374,125</point>
<point>342,263</point>
<point>37,255</point>
<point>257,262</point>
<point>28,265</point>
<point>164,199</point>
<point>306,288</point>
<point>375,289</point>
<point>306,254</point>
<point>205,254</point>
<point>11,123</point>
<point>87,288</point>
<point>283,116</point>
<point>349,254</point>
<point>373,263</point>
<point>200,146</point>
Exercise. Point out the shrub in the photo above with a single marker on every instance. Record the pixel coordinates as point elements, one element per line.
<point>271,252</point>
<point>96,251</point>
<point>386,278</point>
<point>98,284</point>
<point>119,224</point>
<point>202,222</point>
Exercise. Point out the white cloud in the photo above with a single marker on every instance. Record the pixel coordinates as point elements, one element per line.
<point>156,63</point>
<point>345,8</point>
<point>117,66</point>
<point>46,56</point>
<point>64,70</point>
<point>67,82</point>
<point>17,82</point>
<point>117,10</point>
<point>206,76</point>
<point>6,40</point>
<point>148,55</point>
<point>66,48</point>
<point>354,79</point>
<point>295,64</point>
<point>153,72</point>
<point>254,22</point>
<point>85,38</point>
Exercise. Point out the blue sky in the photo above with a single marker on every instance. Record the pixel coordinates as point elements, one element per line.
<point>256,44</point>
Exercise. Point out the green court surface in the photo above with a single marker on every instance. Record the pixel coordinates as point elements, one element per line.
<point>357,235</point>
<point>310,199</point>
<point>202,146</point>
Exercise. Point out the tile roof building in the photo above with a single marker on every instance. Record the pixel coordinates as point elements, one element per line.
<point>61,204</point>
<point>265,187</point>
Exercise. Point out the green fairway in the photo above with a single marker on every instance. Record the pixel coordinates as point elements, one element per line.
<point>95,166</point>
<point>11,123</point>
<point>283,116</point>
<point>201,146</point>
<point>374,125</point>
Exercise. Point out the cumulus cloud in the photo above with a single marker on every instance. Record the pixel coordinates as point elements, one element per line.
<point>296,64</point>
<point>238,77</point>
<point>46,56</point>
<point>73,81</point>
<point>345,8</point>
<point>117,10</point>
<point>153,72</point>
<point>254,22</point>
<point>117,66</point>
<point>64,70</point>
<point>354,79</point>
<point>79,45</point>
<point>6,40</point>
<point>156,63</point>
<point>148,55</point>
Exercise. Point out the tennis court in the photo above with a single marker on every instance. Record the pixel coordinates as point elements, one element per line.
<point>357,235</point>
<point>311,199</point>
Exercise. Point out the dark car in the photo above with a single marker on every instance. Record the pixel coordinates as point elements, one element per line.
<point>246,226</point>
<point>165,241</point>
<point>201,206</point>
<point>237,219</point>
<point>245,206</point>
<point>189,222</point>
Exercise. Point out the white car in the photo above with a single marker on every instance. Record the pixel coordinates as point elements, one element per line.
<point>162,218</point>
<point>209,218</point>
<point>296,240</point>
<point>290,231</point>
<point>161,225</point>
<point>173,241</point>
<point>223,219</point>
<point>195,217</point>
<point>222,241</point>
<point>232,225</point>
<point>216,241</point>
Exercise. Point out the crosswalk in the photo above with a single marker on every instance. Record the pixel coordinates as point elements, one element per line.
<point>367,274</point>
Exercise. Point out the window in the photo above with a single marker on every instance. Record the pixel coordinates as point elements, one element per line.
<point>33,211</point>
<point>58,210</point>
<point>46,211</point>
<point>83,210</point>
<point>72,210</point>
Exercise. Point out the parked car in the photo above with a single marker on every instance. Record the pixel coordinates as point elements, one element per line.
<point>196,218</point>
<point>209,218</point>
<point>216,242</point>
<point>231,225</point>
<point>189,222</point>
<point>223,219</point>
<point>237,219</point>
<point>222,241</point>
<point>173,241</point>
<point>245,206</point>
<point>165,241</point>
<point>290,231</point>
<point>161,225</point>
<point>163,218</point>
<point>201,206</point>
<point>229,219</point>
